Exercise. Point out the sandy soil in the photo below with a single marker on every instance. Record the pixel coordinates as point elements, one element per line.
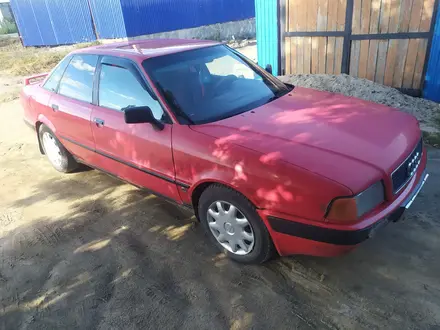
<point>9,87</point>
<point>86,251</point>
<point>427,112</point>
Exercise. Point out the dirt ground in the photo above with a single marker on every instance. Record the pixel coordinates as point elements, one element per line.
<point>85,251</point>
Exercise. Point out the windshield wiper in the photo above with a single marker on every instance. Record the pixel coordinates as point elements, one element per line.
<point>277,95</point>
<point>273,98</point>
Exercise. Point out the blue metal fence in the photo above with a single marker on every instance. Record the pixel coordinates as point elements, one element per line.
<point>53,22</point>
<point>266,18</point>
<point>432,79</point>
<point>108,18</point>
<point>152,16</point>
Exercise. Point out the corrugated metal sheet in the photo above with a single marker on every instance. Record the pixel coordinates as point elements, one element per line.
<point>266,16</point>
<point>153,16</point>
<point>53,22</point>
<point>108,18</point>
<point>432,79</point>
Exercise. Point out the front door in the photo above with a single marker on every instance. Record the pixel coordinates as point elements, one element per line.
<point>138,153</point>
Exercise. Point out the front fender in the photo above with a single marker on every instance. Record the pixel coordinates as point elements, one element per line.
<point>267,180</point>
<point>224,177</point>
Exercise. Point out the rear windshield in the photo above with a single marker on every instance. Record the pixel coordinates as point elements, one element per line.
<point>209,84</point>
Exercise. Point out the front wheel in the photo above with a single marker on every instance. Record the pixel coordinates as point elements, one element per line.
<point>55,152</point>
<point>234,226</point>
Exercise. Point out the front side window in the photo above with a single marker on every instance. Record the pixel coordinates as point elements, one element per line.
<point>213,83</point>
<point>77,81</point>
<point>51,84</point>
<point>119,89</point>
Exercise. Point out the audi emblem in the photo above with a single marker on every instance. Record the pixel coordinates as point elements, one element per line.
<point>413,164</point>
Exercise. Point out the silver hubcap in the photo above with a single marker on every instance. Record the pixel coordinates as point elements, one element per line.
<point>51,149</point>
<point>230,228</point>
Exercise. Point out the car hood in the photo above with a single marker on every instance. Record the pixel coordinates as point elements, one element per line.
<point>348,140</point>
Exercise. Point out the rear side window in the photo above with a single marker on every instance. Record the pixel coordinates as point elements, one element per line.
<point>51,84</point>
<point>119,89</point>
<point>77,81</point>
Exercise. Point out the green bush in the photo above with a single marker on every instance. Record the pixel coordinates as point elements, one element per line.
<point>8,26</point>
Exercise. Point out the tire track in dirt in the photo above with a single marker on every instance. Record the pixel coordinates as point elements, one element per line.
<point>293,285</point>
<point>273,280</point>
<point>48,235</point>
<point>159,289</point>
<point>103,294</point>
<point>10,216</point>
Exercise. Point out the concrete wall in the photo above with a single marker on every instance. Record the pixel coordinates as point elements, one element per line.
<point>244,29</point>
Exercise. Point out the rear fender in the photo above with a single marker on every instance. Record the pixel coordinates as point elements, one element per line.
<point>41,119</point>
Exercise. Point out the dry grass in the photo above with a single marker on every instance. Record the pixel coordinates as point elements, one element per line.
<point>16,60</point>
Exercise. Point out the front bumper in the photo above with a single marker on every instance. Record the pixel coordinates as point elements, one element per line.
<point>397,214</point>
<point>299,237</point>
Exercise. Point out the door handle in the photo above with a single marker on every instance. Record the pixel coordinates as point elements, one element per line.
<point>99,122</point>
<point>55,107</point>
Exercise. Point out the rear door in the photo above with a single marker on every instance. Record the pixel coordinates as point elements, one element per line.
<point>72,106</point>
<point>138,153</point>
<point>40,99</point>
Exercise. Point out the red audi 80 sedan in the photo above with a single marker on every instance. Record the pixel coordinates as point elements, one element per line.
<point>266,166</point>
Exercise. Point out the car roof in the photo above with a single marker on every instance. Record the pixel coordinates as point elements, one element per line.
<point>146,48</point>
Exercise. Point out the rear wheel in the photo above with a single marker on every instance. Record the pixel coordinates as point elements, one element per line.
<point>55,152</point>
<point>234,226</point>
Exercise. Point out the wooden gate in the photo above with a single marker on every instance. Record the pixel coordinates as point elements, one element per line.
<point>386,41</point>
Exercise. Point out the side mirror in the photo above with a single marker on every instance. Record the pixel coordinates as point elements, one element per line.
<point>269,68</point>
<point>140,115</point>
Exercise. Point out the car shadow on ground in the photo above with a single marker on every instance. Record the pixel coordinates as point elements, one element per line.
<point>100,253</point>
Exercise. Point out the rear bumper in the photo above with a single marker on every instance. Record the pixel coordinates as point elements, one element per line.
<point>298,236</point>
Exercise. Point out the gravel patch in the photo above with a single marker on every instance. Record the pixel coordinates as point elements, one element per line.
<point>427,112</point>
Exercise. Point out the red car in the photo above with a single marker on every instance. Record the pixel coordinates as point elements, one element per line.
<point>265,165</point>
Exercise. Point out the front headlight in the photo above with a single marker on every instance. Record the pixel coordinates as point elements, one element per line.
<point>350,209</point>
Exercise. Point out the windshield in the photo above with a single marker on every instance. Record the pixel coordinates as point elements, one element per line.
<point>209,84</point>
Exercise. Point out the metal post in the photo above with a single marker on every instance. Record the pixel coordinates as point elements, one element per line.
<point>428,48</point>
<point>281,36</point>
<point>345,65</point>
<point>95,31</point>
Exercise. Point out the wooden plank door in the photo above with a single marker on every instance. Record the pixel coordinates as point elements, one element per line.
<point>386,41</point>
<point>389,40</point>
<point>308,48</point>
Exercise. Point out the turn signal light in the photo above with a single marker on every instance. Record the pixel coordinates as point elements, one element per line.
<point>343,210</point>
<point>350,209</point>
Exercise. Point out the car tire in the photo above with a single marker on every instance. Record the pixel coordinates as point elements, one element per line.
<point>56,153</point>
<point>259,250</point>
